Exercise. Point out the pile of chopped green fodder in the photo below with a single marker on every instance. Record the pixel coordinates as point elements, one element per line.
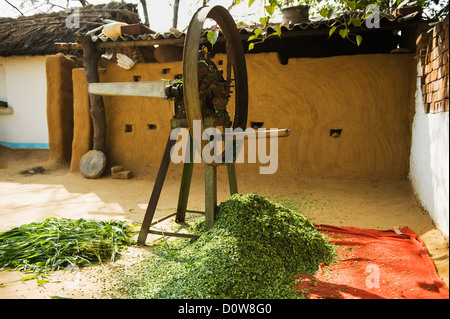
<point>56,243</point>
<point>254,250</point>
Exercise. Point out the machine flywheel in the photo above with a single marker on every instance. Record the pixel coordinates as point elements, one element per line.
<point>236,70</point>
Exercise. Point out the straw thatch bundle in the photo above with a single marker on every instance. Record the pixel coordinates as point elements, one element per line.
<point>36,35</point>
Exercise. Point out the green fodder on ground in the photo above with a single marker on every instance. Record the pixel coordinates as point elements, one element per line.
<point>253,250</point>
<point>56,243</point>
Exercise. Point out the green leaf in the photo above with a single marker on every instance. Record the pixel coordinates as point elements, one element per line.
<point>330,13</point>
<point>324,12</point>
<point>352,5</point>
<point>29,277</point>
<point>251,46</point>
<point>358,39</point>
<point>212,36</point>
<point>250,2</point>
<point>343,33</point>
<point>355,21</point>
<point>270,9</point>
<point>277,30</point>
<point>255,35</point>
<point>41,282</point>
<point>264,20</point>
<point>331,31</point>
<point>367,15</point>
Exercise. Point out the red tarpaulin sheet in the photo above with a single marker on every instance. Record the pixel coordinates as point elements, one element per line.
<point>375,264</point>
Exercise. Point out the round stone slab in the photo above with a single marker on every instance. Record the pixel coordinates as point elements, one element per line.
<point>92,164</point>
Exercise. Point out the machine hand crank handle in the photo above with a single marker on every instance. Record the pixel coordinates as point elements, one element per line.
<point>253,134</point>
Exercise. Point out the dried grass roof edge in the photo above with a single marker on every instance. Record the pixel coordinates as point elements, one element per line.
<point>37,34</point>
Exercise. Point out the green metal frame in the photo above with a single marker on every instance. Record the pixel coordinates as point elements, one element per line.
<point>236,63</point>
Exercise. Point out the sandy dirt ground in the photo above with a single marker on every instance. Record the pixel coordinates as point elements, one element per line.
<point>25,198</point>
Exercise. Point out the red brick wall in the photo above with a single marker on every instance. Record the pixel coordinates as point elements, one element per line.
<point>434,55</point>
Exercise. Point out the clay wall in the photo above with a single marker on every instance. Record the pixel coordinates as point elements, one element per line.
<point>59,108</point>
<point>370,98</point>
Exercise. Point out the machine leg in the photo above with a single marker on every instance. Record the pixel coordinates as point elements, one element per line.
<point>184,192</point>
<point>151,208</point>
<point>232,178</point>
<point>210,194</point>
<point>185,184</point>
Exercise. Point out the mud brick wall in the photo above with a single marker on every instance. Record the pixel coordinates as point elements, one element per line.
<point>371,101</point>
<point>434,54</point>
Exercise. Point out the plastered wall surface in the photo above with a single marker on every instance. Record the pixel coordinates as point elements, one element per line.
<point>25,91</point>
<point>369,98</point>
<point>429,172</point>
<point>59,107</point>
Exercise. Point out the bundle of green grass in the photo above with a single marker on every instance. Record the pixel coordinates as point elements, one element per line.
<point>254,250</point>
<point>55,243</point>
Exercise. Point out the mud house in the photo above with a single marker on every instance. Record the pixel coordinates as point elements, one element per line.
<point>378,111</point>
<point>355,104</point>
<point>25,43</point>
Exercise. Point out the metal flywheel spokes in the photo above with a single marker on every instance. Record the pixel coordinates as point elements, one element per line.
<point>200,74</point>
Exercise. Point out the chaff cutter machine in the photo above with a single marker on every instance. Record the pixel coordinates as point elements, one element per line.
<point>202,95</point>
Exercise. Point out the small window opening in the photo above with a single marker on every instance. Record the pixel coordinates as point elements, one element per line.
<point>256,125</point>
<point>335,132</point>
<point>128,128</point>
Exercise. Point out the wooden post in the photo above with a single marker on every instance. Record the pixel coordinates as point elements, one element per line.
<point>93,162</point>
<point>97,109</point>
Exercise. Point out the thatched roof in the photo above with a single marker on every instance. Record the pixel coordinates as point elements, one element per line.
<point>36,35</point>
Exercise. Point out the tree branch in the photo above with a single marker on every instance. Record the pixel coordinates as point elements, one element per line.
<point>233,3</point>
<point>14,7</point>
<point>176,6</point>
<point>55,5</point>
<point>144,7</point>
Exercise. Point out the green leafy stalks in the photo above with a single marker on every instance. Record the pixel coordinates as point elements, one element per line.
<point>56,243</point>
<point>254,250</point>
